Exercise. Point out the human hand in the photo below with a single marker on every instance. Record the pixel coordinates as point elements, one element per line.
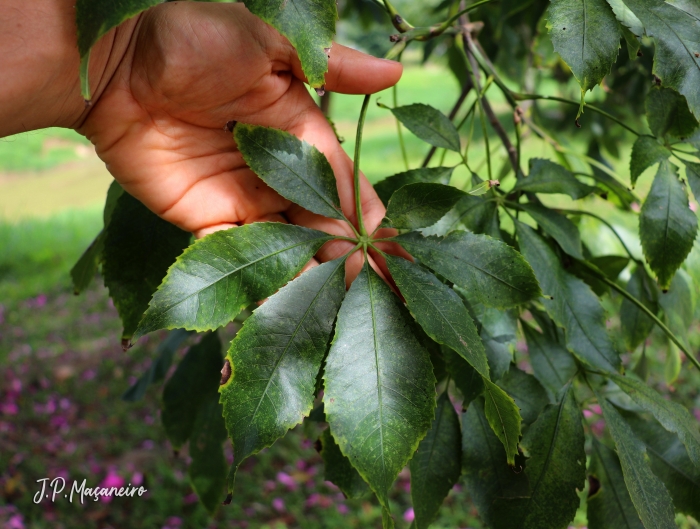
<point>193,67</point>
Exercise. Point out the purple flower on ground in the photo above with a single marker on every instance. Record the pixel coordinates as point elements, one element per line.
<point>287,480</point>
<point>137,479</point>
<point>409,515</point>
<point>9,408</point>
<point>16,522</point>
<point>112,479</point>
<point>278,504</point>
<point>342,508</point>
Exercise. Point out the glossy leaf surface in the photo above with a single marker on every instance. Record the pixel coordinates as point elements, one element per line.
<point>427,175</point>
<point>420,205</point>
<point>503,415</point>
<point>429,124</point>
<point>549,177</point>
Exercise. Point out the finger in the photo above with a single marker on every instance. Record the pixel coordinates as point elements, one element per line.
<point>353,72</point>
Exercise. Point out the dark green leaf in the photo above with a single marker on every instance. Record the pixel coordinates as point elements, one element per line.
<point>555,469</point>
<point>437,465</point>
<point>672,416</point>
<point>219,275</point>
<point>207,471</point>
<point>549,177</point>
<point>692,173</point>
<point>646,151</point>
<point>379,387</point>
<point>587,36</point>
<point>574,306</point>
<point>391,184</point>
<point>648,493</point>
<point>551,363</point>
<point>634,323</point>
<point>677,38</point>
<point>527,392</point>
<point>308,24</point>
<point>558,226</point>
<point>160,365</point>
<point>276,356</point>
<point>611,506</point>
<point>439,311</point>
<point>678,305</point>
<point>477,214</point>
<point>196,376</point>
<point>667,227</point>
<point>611,265</point>
<point>420,205</point>
<point>670,462</point>
<point>295,169</point>
<point>466,378</point>
<point>498,275</point>
<point>139,247</point>
<point>668,113</point>
<point>487,475</point>
<point>429,124</point>
<point>338,469</point>
<point>503,415</point>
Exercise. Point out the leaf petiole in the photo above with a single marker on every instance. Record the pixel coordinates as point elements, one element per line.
<point>356,168</point>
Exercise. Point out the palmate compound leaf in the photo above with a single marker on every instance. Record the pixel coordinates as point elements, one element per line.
<point>427,175</point>
<point>676,34</point>
<point>429,124</point>
<point>420,205</point>
<point>587,36</point>
<point>439,311</point>
<point>295,169</point>
<point>560,228</point>
<point>672,416</point>
<point>611,506</point>
<point>634,323</point>
<point>437,465</point>
<point>649,495</point>
<point>339,470</point>
<point>667,226</point>
<point>503,415</point>
<point>497,274</point>
<point>219,275</point>
<point>572,304</point>
<point>646,151</point>
<point>138,248</point>
<point>669,461</point>
<point>275,358</point>
<point>379,394</point>
<point>549,177</point>
<point>308,24</point>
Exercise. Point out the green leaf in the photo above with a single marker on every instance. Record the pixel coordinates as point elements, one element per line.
<point>677,38</point>
<point>648,493</point>
<point>678,305</point>
<point>555,469</point>
<point>439,311</point>
<point>503,415</point>
<point>379,392</point>
<point>634,323</point>
<point>276,357</point>
<point>670,462</point>
<point>549,177</point>
<point>611,506</point>
<point>551,363</point>
<point>428,175</point>
<point>295,169</point>
<point>219,275</point>
<point>420,205</point>
<point>626,17</point>
<point>197,375</point>
<point>528,393</point>
<point>499,276</point>
<point>558,226</point>
<point>486,474</point>
<point>437,465</point>
<point>429,124</point>
<point>338,469</point>
<point>207,471</point>
<point>672,416</point>
<point>667,226</point>
<point>692,173</point>
<point>574,306</point>
<point>668,114</point>
<point>139,247</point>
<point>466,378</point>
<point>477,214</point>
<point>587,36</point>
<point>672,364</point>
<point>159,367</point>
<point>308,24</point>
<point>646,151</point>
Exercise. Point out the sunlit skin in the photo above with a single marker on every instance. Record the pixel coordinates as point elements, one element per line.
<point>189,69</point>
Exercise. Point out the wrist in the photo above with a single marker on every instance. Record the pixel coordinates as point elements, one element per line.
<point>42,86</point>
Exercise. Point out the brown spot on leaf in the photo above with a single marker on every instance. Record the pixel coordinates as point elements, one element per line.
<point>227,501</point>
<point>225,372</point>
<point>594,486</point>
<point>126,344</point>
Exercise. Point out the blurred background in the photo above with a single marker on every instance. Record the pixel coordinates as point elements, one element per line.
<point>63,372</point>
